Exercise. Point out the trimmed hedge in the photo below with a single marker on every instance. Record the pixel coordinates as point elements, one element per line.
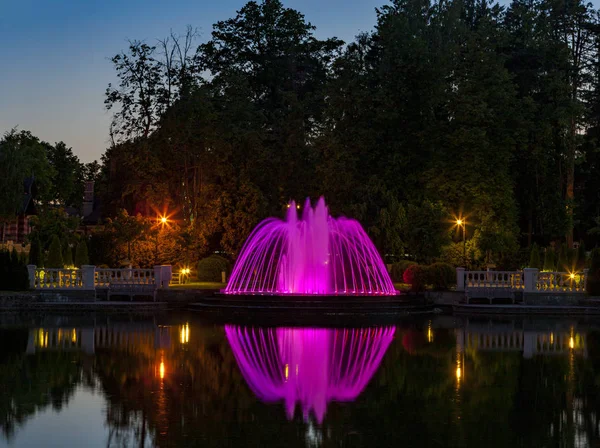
<point>416,276</point>
<point>441,276</point>
<point>81,254</point>
<point>398,269</point>
<point>210,268</point>
<point>55,260</point>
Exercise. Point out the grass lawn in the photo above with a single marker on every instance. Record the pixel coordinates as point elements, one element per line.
<point>402,286</point>
<point>200,285</point>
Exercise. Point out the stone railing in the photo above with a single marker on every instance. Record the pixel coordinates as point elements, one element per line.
<point>91,278</point>
<point>494,279</point>
<point>57,279</point>
<point>558,282</point>
<point>105,277</point>
<point>529,280</point>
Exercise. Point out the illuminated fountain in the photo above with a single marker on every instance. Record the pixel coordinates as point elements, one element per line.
<point>308,366</point>
<point>316,254</point>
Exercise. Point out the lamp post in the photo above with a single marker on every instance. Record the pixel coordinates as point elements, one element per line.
<point>462,223</point>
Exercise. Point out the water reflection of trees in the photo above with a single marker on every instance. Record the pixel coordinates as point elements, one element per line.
<point>29,384</point>
<point>416,398</point>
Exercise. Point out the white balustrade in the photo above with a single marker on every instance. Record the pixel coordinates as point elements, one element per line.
<point>58,279</point>
<point>560,282</point>
<point>90,278</point>
<point>106,277</point>
<point>528,280</point>
<point>493,279</point>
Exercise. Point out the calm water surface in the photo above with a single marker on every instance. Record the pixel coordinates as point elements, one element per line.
<point>175,381</point>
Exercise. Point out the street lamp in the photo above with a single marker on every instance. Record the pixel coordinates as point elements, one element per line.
<point>462,223</point>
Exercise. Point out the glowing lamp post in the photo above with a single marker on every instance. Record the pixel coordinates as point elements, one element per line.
<point>462,223</point>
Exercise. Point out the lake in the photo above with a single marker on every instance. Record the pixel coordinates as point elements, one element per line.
<point>178,380</point>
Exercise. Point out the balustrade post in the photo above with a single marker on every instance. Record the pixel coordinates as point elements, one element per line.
<point>585,277</point>
<point>88,277</point>
<point>460,279</point>
<point>158,276</point>
<point>31,272</point>
<point>530,279</point>
<point>167,274</point>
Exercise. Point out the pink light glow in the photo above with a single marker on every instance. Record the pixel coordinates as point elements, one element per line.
<point>306,365</point>
<point>316,254</point>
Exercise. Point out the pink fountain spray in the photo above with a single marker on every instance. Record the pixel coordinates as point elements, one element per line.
<point>317,255</point>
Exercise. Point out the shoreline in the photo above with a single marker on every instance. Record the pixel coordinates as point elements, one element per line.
<point>202,301</point>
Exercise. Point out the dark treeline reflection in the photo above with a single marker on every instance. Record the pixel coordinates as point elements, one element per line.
<point>440,382</point>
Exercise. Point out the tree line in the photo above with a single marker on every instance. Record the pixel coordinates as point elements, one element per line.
<point>444,110</point>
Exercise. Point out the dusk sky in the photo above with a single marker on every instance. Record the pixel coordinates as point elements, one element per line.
<point>55,66</point>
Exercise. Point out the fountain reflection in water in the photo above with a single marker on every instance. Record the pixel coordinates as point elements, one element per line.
<point>316,254</point>
<point>306,365</point>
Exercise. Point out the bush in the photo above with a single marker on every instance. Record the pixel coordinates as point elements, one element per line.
<point>416,277</point>
<point>35,253</point>
<point>592,286</point>
<point>210,268</point>
<point>563,259</point>
<point>398,269</point>
<point>549,264</point>
<point>67,256</point>
<point>441,276</point>
<point>534,258</point>
<point>55,260</point>
<point>81,254</point>
<point>13,271</point>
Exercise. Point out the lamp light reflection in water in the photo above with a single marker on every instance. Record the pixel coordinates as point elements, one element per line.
<point>184,334</point>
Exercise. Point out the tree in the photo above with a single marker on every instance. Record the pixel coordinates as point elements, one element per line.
<point>21,156</point>
<point>54,259</point>
<point>67,180</point>
<point>426,231</point>
<point>81,254</point>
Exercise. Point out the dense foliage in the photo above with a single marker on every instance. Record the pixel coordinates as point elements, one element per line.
<point>445,109</point>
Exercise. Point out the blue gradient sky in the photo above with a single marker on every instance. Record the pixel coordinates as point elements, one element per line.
<point>54,54</point>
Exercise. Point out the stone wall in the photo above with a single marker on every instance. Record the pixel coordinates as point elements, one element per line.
<point>540,298</point>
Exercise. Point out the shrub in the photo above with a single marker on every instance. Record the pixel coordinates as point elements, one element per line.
<point>13,271</point>
<point>416,276</point>
<point>19,278</point>
<point>563,259</point>
<point>549,264</point>
<point>593,280</point>
<point>35,253</point>
<point>441,276</point>
<point>81,254</point>
<point>534,258</point>
<point>210,268</point>
<point>54,254</point>
<point>67,256</point>
<point>398,269</point>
